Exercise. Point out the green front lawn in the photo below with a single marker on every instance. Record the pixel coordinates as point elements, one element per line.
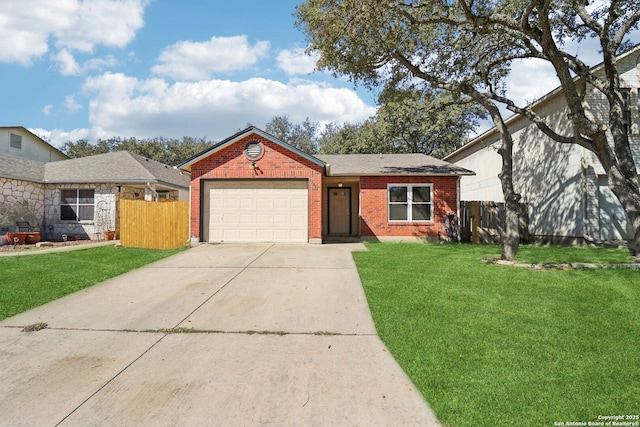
<point>29,281</point>
<point>492,345</point>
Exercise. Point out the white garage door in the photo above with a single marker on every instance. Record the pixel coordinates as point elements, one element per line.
<point>256,211</point>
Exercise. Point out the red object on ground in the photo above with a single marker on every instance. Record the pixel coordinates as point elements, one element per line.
<point>29,237</point>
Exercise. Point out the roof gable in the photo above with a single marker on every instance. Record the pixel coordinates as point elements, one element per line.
<point>242,135</point>
<point>42,151</point>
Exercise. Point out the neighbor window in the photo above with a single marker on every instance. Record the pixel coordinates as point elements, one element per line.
<point>410,203</point>
<point>164,194</point>
<point>15,141</point>
<point>76,205</point>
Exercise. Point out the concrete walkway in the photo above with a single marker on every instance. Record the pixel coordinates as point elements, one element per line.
<point>229,335</point>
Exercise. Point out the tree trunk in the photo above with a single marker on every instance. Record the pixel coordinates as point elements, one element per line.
<point>626,190</point>
<point>511,238</point>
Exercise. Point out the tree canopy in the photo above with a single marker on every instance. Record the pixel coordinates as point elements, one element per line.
<point>468,46</point>
<point>168,151</point>
<point>303,136</point>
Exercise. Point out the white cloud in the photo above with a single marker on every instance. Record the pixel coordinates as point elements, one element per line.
<point>102,22</point>
<point>67,64</point>
<point>58,137</point>
<point>187,60</point>
<point>297,62</point>
<point>74,25</point>
<point>70,104</point>
<point>529,80</point>
<point>215,109</point>
<point>47,109</point>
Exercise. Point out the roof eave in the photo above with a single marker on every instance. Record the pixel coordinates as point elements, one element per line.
<point>22,178</point>
<point>469,173</point>
<point>101,181</point>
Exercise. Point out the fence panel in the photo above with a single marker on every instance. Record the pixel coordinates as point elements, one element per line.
<point>483,222</point>
<point>154,225</point>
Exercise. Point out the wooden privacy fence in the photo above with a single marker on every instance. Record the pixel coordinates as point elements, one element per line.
<point>483,222</point>
<point>154,225</point>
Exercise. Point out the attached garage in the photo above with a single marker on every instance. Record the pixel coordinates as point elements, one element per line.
<point>255,210</point>
<point>252,187</point>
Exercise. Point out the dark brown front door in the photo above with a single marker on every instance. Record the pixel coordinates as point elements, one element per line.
<point>339,210</point>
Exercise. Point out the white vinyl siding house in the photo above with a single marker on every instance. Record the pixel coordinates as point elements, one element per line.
<point>564,186</point>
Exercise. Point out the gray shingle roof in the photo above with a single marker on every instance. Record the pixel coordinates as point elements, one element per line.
<point>118,166</point>
<point>18,168</point>
<point>388,164</point>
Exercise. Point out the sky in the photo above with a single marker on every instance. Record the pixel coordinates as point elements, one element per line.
<point>72,69</point>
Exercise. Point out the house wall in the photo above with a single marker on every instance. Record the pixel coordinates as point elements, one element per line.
<point>105,217</point>
<point>20,201</point>
<point>558,182</point>
<point>33,148</point>
<point>181,195</point>
<point>277,162</point>
<point>374,209</point>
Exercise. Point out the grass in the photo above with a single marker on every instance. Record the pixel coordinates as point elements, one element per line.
<point>491,345</point>
<point>30,281</point>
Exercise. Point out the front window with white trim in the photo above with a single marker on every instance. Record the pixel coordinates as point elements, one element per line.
<point>410,203</point>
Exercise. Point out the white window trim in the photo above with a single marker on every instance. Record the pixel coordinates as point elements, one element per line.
<point>77,205</point>
<point>410,203</point>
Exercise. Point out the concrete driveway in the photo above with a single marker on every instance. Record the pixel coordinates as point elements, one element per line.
<point>257,334</point>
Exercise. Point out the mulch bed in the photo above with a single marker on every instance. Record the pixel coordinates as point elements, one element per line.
<point>26,247</point>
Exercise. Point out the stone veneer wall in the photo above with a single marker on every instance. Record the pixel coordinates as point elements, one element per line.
<point>104,213</point>
<point>20,201</point>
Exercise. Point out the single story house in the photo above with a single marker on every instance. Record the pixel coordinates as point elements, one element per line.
<point>75,197</point>
<point>564,186</point>
<point>251,187</point>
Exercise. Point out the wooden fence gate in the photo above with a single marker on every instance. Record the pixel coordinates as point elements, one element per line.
<point>154,225</point>
<point>483,222</point>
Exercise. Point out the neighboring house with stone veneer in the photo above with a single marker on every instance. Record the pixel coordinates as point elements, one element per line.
<point>22,159</point>
<point>251,187</point>
<point>564,186</point>
<point>82,194</point>
<point>79,197</point>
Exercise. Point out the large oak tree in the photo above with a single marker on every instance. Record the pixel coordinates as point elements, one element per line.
<point>468,46</point>
<point>380,44</point>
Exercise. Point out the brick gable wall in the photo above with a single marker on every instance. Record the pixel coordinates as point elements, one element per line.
<point>276,163</point>
<point>374,210</point>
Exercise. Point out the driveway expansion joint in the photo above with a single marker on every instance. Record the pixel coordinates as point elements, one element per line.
<point>181,330</point>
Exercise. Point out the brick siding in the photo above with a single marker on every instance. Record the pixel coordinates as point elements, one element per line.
<point>374,210</point>
<point>276,163</point>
